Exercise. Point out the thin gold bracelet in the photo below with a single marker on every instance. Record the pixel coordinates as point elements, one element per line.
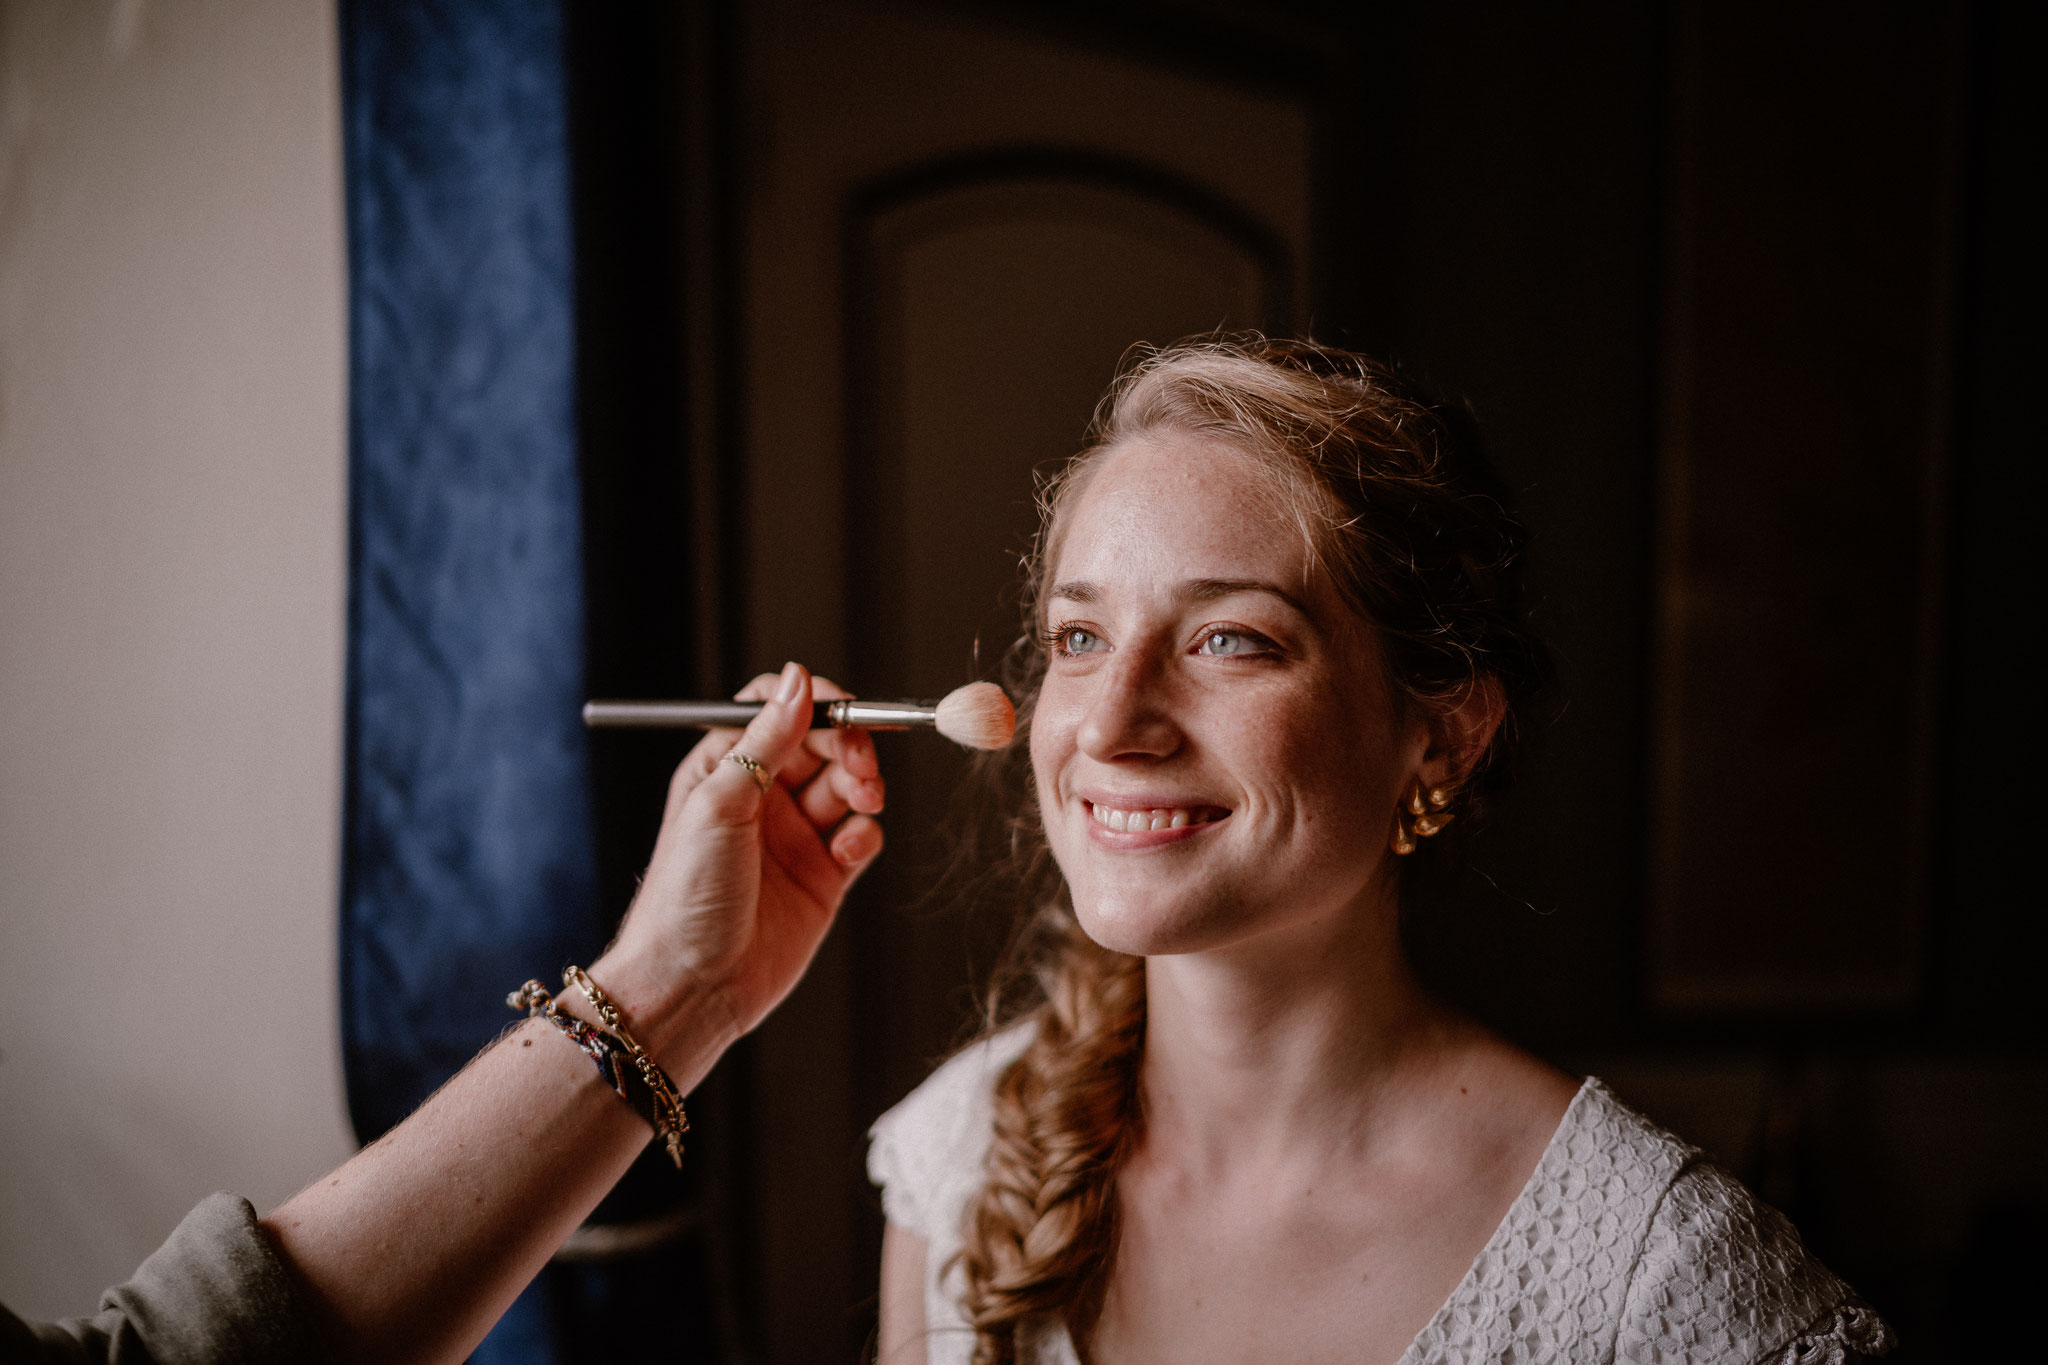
<point>633,1075</point>
<point>674,1122</point>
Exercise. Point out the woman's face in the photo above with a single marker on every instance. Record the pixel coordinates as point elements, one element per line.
<point>1217,752</point>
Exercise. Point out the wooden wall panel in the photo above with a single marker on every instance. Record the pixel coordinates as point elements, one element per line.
<point>1805,429</point>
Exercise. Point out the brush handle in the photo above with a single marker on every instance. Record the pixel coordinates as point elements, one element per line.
<point>684,715</point>
<point>702,715</point>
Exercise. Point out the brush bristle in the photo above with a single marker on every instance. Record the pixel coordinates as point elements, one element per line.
<point>978,716</point>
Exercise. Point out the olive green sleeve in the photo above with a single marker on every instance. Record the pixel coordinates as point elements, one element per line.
<point>215,1292</point>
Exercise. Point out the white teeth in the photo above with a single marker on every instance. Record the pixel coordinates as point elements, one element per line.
<point>1163,817</point>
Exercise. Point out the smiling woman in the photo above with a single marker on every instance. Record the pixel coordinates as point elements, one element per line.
<point>1274,648</point>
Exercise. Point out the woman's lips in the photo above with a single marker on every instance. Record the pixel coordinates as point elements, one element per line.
<point>1130,824</point>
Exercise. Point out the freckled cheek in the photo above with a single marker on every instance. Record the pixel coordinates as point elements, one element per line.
<point>1325,770</point>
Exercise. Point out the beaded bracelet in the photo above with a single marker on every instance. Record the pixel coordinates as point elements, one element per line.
<point>633,1075</point>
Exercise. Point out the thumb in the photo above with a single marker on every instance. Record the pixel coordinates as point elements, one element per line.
<point>773,737</point>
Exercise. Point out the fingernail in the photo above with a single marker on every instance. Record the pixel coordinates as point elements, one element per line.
<point>858,845</point>
<point>792,683</point>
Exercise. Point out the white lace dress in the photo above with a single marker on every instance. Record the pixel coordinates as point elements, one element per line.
<point>1624,1246</point>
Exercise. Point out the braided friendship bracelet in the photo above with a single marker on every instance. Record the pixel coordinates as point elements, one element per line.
<point>633,1075</point>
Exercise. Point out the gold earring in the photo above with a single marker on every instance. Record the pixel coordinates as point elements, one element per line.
<point>1422,813</point>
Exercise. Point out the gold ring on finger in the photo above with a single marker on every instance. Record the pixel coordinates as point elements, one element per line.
<point>752,767</point>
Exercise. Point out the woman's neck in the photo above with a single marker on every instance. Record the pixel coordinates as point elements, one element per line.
<point>1294,1045</point>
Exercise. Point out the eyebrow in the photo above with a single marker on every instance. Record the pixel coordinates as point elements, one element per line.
<point>1194,589</point>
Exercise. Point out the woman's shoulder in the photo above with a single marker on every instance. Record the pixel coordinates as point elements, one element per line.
<point>1625,1235</point>
<point>927,1152</point>
<point>1724,1276</point>
<point>1718,1274</point>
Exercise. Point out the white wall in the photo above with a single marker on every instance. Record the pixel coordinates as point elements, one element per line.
<point>172,365</point>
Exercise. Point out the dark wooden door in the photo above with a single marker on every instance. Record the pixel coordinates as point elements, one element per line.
<point>953,229</point>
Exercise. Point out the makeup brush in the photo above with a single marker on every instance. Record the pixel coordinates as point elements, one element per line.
<point>978,715</point>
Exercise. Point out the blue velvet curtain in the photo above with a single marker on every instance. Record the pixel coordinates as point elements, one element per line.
<point>469,860</point>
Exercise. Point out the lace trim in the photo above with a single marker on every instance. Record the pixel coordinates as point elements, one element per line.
<point>1852,1332</point>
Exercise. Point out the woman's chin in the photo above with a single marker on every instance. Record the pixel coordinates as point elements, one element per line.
<point>1143,927</point>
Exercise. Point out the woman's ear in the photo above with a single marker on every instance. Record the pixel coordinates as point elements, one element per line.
<point>1460,733</point>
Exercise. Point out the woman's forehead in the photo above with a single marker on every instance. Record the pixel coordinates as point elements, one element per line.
<point>1169,507</point>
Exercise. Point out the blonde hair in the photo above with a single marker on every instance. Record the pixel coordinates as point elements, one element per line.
<point>1395,503</point>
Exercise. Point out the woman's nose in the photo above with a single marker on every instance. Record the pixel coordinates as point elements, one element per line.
<point>1127,716</point>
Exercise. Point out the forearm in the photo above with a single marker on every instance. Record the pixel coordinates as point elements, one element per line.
<point>414,1248</point>
<point>417,1245</point>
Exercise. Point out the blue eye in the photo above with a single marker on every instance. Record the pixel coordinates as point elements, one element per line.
<point>1232,642</point>
<point>1071,640</point>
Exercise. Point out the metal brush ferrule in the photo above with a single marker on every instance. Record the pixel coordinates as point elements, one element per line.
<point>881,715</point>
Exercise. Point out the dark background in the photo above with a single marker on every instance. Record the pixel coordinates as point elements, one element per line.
<point>1745,298</point>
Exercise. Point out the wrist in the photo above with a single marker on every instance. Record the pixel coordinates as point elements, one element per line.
<point>683,1021</point>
